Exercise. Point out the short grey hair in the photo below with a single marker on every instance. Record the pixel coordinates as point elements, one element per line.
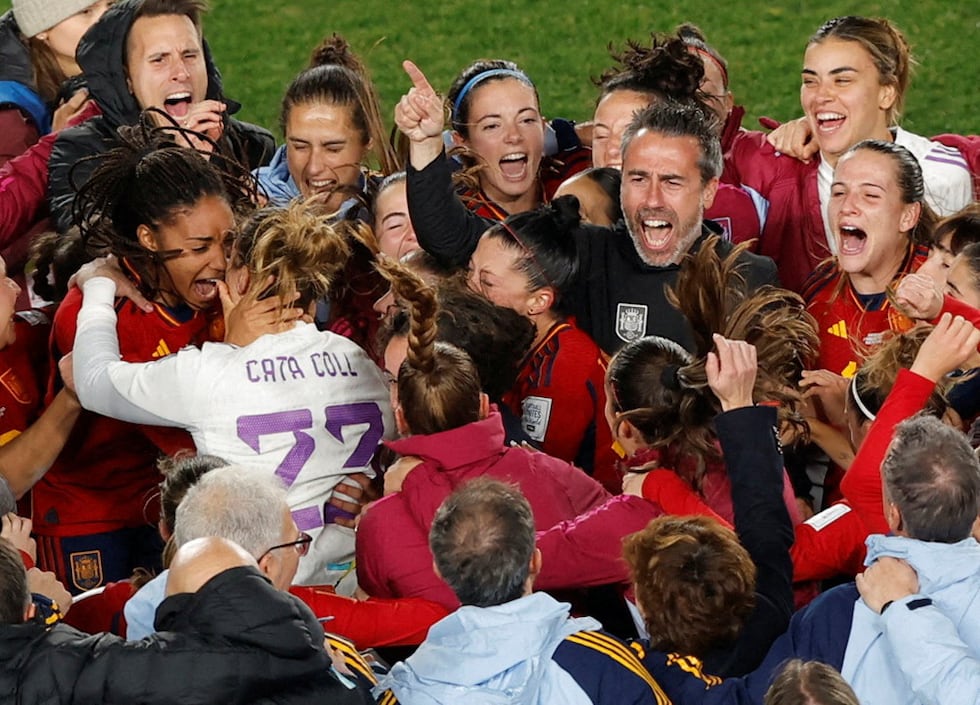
<point>238,503</point>
<point>932,475</point>
<point>482,540</point>
<point>673,118</point>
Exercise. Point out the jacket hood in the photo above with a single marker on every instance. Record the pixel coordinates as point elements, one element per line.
<point>498,654</point>
<point>102,57</point>
<point>938,565</point>
<point>276,180</point>
<point>17,75</point>
<point>15,59</point>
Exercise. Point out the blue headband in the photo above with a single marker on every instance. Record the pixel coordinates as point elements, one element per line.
<point>480,77</point>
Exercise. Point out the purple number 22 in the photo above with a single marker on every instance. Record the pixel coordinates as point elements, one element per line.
<point>252,427</point>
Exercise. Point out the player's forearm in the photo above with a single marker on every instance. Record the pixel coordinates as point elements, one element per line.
<point>25,459</point>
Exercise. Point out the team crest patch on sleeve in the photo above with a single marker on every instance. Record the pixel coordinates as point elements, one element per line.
<point>34,317</point>
<point>86,569</point>
<point>12,382</point>
<point>631,321</point>
<point>725,224</point>
<point>535,414</point>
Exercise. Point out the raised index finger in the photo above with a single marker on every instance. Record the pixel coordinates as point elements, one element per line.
<point>418,78</point>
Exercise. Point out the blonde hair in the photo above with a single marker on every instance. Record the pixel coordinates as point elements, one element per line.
<point>304,252</point>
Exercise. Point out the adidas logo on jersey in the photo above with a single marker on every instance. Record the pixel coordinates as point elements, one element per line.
<point>162,349</point>
<point>839,329</point>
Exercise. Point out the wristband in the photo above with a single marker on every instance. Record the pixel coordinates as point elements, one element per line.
<point>886,606</point>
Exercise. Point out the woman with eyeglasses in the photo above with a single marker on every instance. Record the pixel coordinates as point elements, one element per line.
<point>309,405</point>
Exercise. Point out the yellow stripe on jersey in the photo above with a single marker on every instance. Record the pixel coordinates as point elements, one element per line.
<point>388,698</point>
<point>622,654</point>
<point>352,658</point>
<point>694,666</point>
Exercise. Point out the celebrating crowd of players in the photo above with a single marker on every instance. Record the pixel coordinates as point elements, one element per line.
<point>451,387</point>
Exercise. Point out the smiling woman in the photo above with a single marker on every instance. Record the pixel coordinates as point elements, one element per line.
<point>854,78</point>
<point>332,124</point>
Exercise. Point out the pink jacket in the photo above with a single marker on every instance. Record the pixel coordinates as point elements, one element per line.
<point>793,234</point>
<point>969,147</point>
<point>587,551</point>
<point>393,558</point>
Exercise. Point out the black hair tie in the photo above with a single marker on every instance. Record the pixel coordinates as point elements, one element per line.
<point>670,377</point>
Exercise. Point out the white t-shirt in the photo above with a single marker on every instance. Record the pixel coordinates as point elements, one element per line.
<point>309,405</point>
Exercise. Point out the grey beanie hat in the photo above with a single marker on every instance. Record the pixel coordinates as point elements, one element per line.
<point>35,16</point>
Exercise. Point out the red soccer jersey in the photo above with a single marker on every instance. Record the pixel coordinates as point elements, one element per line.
<point>106,474</point>
<point>560,396</point>
<point>850,326</point>
<point>22,366</point>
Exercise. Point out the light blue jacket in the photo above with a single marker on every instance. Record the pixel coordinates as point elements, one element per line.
<point>880,673</point>
<point>141,609</point>
<point>276,181</point>
<point>492,656</point>
<point>278,185</point>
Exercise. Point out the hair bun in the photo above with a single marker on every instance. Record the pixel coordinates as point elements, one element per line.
<point>565,211</point>
<point>333,51</point>
<point>687,30</point>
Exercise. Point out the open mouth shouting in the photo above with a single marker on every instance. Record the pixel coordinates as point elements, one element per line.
<point>177,104</point>
<point>206,289</point>
<point>321,186</point>
<point>656,230</point>
<point>852,240</point>
<point>513,166</point>
<point>828,122</point>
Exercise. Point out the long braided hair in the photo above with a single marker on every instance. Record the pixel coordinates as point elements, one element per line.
<point>438,384</point>
<point>145,180</point>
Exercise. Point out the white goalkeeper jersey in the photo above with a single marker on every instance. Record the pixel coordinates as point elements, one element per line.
<point>310,406</point>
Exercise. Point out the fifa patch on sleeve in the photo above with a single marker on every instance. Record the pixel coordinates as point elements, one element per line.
<point>535,414</point>
<point>827,517</point>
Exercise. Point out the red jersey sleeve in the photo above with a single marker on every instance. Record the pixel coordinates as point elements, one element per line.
<point>829,544</point>
<point>862,483</point>
<point>375,622</point>
<point>958,308</point>
<point>666,489</point>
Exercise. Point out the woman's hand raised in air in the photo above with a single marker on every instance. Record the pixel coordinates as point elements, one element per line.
<point>420,115</point>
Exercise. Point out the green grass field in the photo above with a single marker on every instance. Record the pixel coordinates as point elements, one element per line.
<point>260,45</point>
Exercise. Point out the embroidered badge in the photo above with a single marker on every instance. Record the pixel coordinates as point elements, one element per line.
<point>726,227</point>
<point>535,414</point>
<point>86,569</point>
<point>631,321</point>
<point>12,382</point>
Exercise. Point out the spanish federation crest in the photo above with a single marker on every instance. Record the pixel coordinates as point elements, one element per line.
<point>86,569</point>
<point>631,321</point>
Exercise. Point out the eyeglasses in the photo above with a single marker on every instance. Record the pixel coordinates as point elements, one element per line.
<point>302,545</point>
